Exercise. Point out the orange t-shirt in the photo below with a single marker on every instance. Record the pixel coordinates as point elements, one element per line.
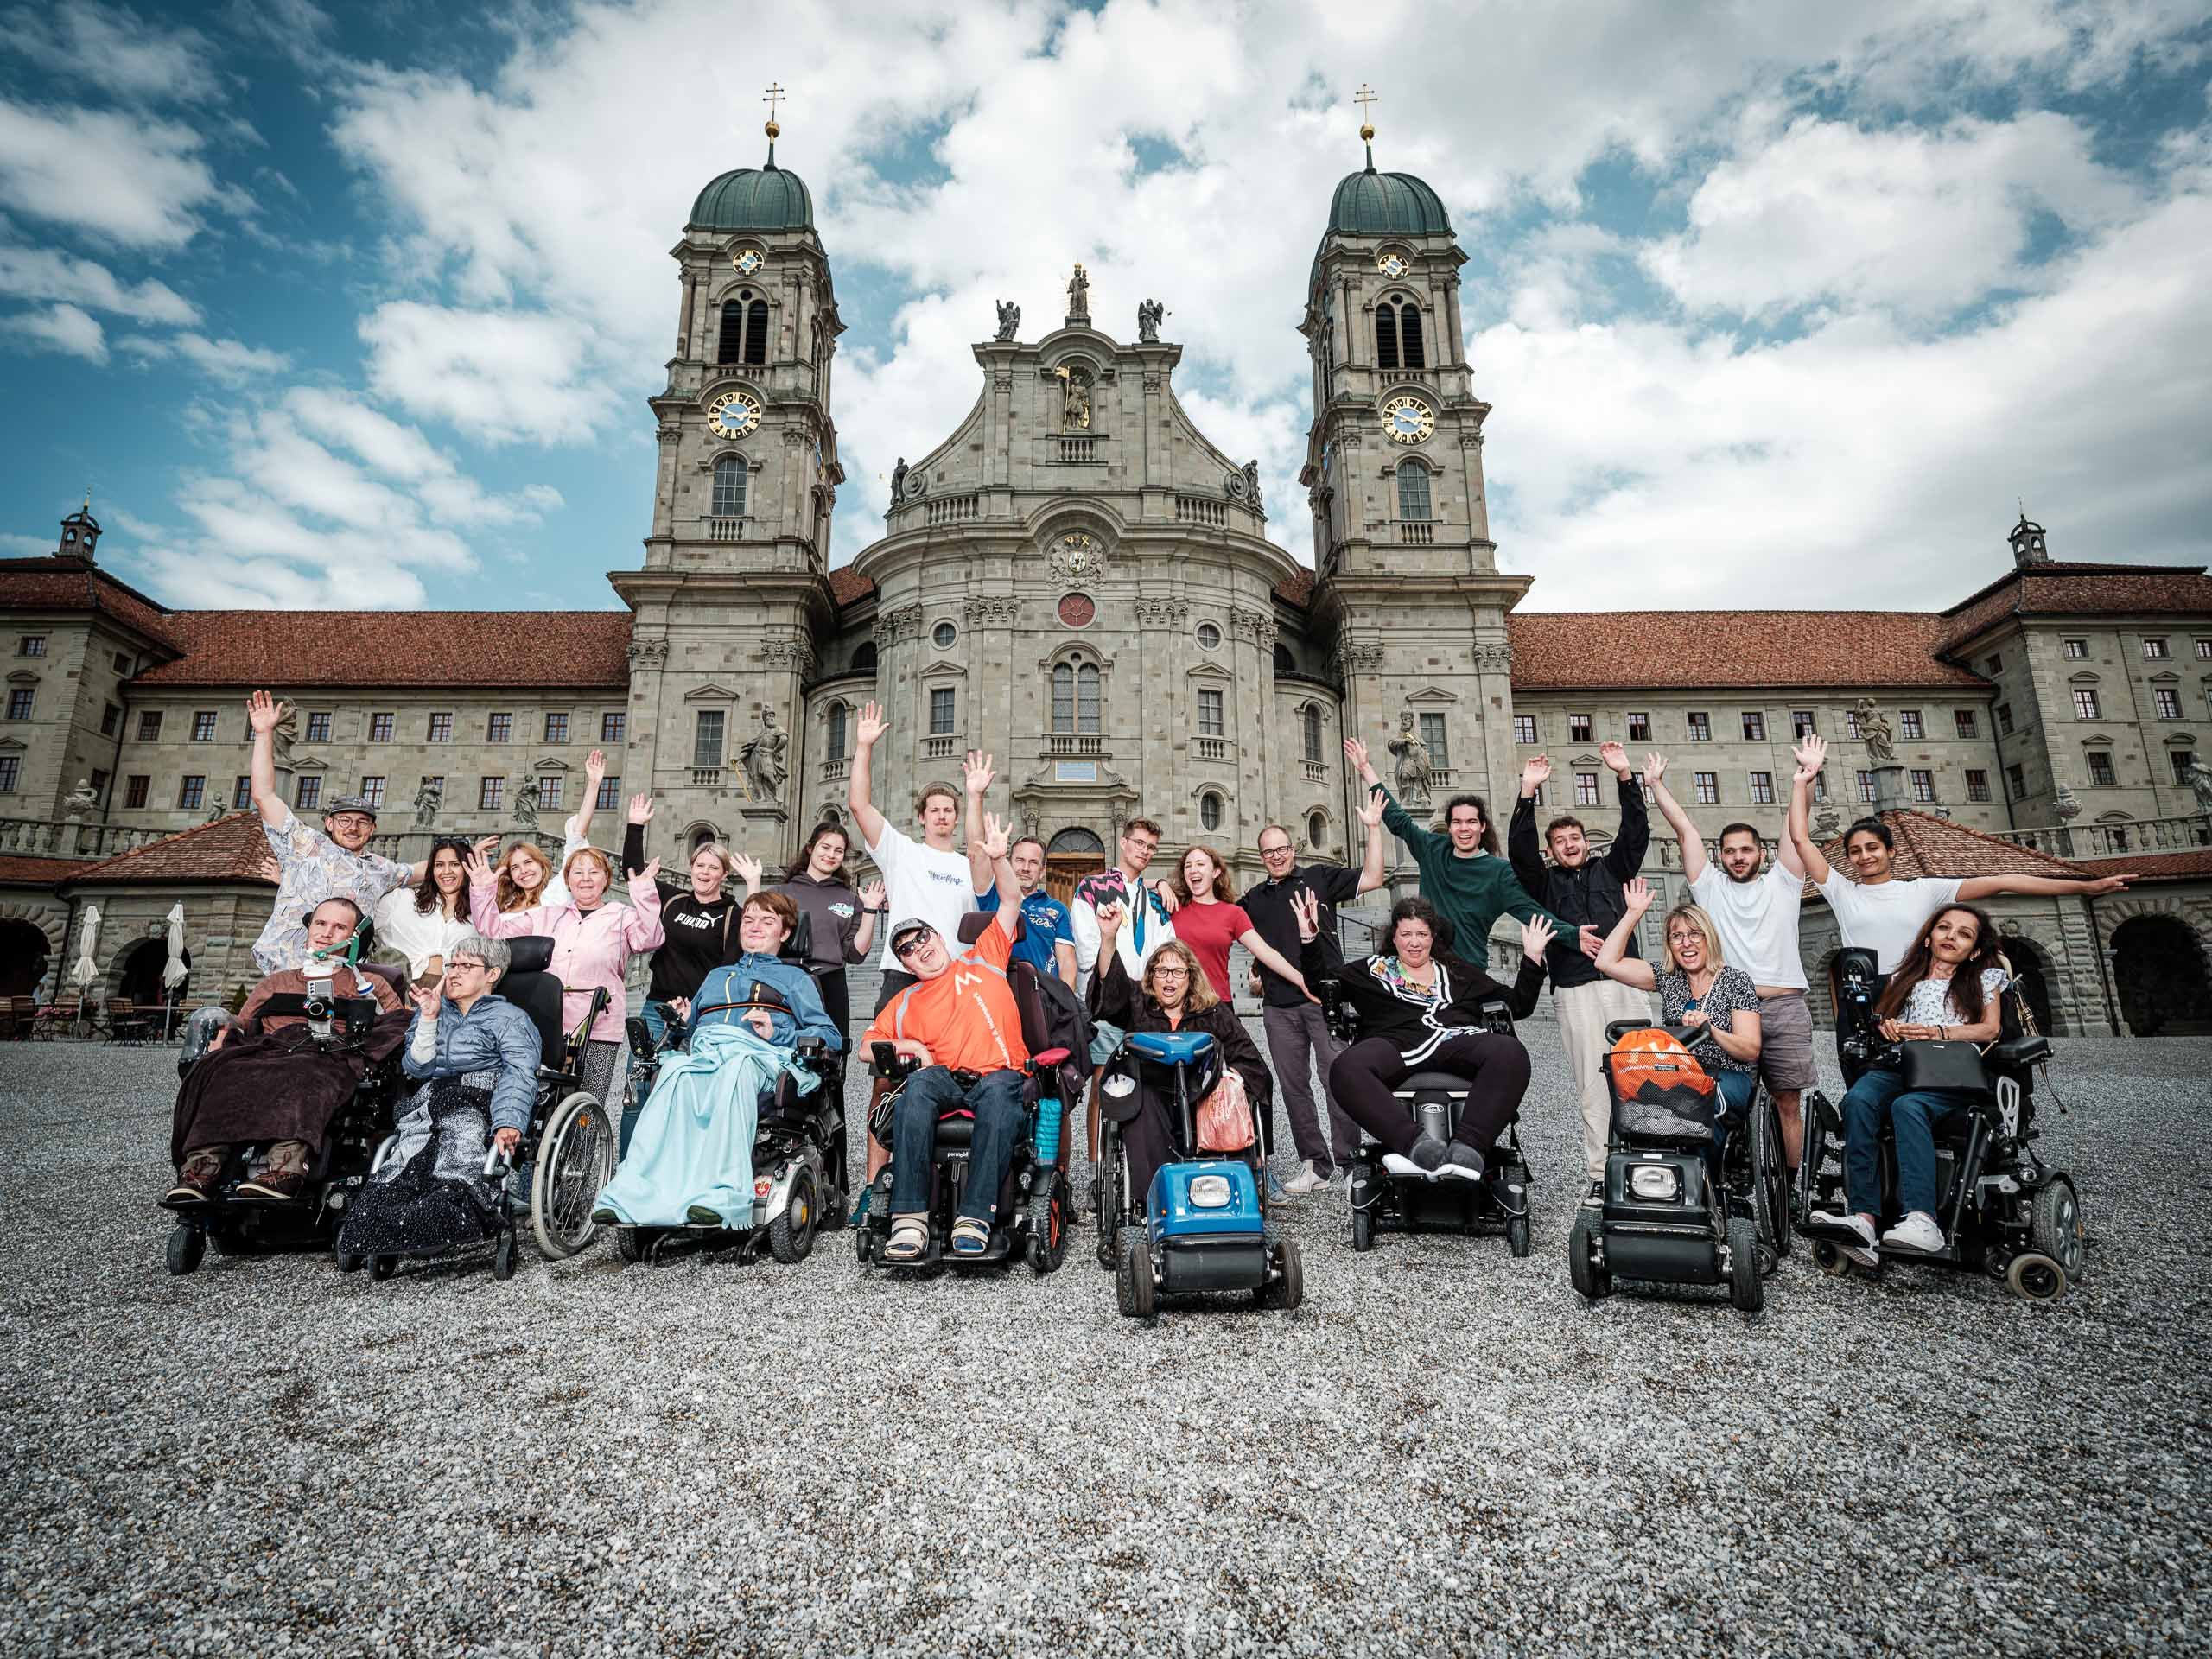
<point>966,1016</point>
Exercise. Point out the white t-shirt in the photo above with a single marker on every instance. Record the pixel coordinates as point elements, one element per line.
<point>920,881</point>
<point>1757,921</point>
<point>1886,916</point>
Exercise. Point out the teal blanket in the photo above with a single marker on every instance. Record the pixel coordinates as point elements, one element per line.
<point>693,1145</point>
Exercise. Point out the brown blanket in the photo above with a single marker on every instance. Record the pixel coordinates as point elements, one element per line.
<point>274,1087</point>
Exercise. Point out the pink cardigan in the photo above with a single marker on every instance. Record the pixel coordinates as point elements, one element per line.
<point>590,948</point>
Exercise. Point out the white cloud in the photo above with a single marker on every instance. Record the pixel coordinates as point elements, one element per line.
<point>28,273</point>
<point>503,376</point>
<point>123,179</point>
<point>26,547</point>
<point>125,55</point>
<point>232,362</point>
<point>60,328</point>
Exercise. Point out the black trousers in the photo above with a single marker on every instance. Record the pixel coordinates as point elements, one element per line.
<point>1495,1066</point>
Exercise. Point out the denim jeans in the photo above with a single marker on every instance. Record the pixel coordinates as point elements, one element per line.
<point>1000,1121</point>
<point>1735,1090</point>
<point>1913,1115</point>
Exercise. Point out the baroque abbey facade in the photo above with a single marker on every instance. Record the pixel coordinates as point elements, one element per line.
<point>1078,579</point>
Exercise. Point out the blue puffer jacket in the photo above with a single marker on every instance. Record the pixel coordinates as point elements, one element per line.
<point>493,1036</point>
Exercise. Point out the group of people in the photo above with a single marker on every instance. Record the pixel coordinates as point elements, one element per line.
<point>1144,953</point>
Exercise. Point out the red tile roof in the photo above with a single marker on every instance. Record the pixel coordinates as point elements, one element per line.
<point>846,585</point>
<point>1638,650</point>
<point>70,582</point>
<point>232,849</point>
<point>1296,589</point>
<point>570,650</point>
<point>2193,865</point>
<point>2076,587</point>
<point>1931,846</point>
<point>16,871</point>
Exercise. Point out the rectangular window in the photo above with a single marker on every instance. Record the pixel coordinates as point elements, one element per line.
<point>110,717</point>
<point>1577,728</point>
<point>1700,727</point>
<point>1586,789</point>
<point>2077,650</point>
<point>941,710</point>
<point>318,726</point>
<point>548,792</point>
<point>1432,733</point>
<point>2169,702</point>
<point>1866,788</point>
<point>134,788</point>
<point>122,662</point>
<point>1524,728</point>
<point>1763,788</point>
<point>707,739</point>
<point>2182,760</point>
<point>191,792</point>
<point>610,793</point>
<point>1851,724</point>
<point>1708,787</point>
<point>1639,728</point>
<point>381,727</point>
<point>203,726</point>
<point>1924,785</point>
<point>441,729</point>
<point>491,794</point>
<point>1977,785</point>
<point>557,728</point>
<point>1963,720</point>
<point>19,702</point>
<point>1909,725</point>
<point>1209,713</point>
<point>2004,720</point>
<point>242,792</point>
<point>31,645</point>
<point>11,768</point>
<point>2016,780</point>
<point>2204,650</point>
<point>150,726</point>
<point>500,728</point>
<point>1802,724</point>
<point>611,728</point>
<point>2101,771</point>
<point>1820,785</point>
<point>310,793</point>
<point>99,786</point>
<point>1996,665</point>
<point>2154,650</point>
<point>372,791</point>
<point>2085,704</point>
<point>1754,727</point>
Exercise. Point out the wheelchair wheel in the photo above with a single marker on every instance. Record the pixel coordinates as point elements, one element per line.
<point>1592,1282</point>
<point>1745,1289</point>
<point>346,1261</point>
<point>381,1267</point>
<point>1133,1276</point>
<point>1288,1291</point>
<point>503,1254</point>
<point>1517,1235</point>
<point>2055,1227</point>
<point>632,1243</point>
<point>790,1236</point>
<point>2036,1277</point>
<point>575,1158</point>
<point>187,1246</point>
<point>1769,1178</point>
<point>1363,1227</point>
<point>1107,1197</point>
<point>1048,1227</point>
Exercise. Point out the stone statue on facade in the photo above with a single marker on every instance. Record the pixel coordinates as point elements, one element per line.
<point>1150,314</point>
<point>285,733</point>
<point>899,480</point>
<point>2066,805</point>
<point>1413,771</point>
<point>83,800</point>
<point>1009,318</point>
<point>1075,397</point>
<point>1252,481</point>
<point>1079,295</point>
<point>526,806</point>
<point>762,757</point>
<point>1876,732</point>
<point>2200,781</point>
<point>1828,823</point>
<point>428,799</point>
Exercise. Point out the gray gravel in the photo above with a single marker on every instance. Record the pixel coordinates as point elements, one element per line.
<point>1442,1451</point>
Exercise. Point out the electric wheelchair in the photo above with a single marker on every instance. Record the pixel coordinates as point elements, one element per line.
<point>335,1023</point>
<point>798,1148</point>
<point>571,1133</point>
<point>1035,1202</point>
<point>2002,1208</point>
<point>1668,1213</point>
<point>1384,1199</point>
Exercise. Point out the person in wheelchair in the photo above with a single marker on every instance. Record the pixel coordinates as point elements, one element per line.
<point>472,1057</point>
<point>961,1021</point>
<point>1699,989</point>
<point>1175,995</point>
<point>1421,1008</point>
<point>688,1161</point>
<point>263,1081</point>
<point>1947,988</point>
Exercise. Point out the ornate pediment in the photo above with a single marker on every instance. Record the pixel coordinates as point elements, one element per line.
<point>713,691</point>
<point>1431,694</point>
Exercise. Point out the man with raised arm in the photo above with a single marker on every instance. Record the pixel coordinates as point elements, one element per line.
<point>311,864</point>
<point>1586,892</point>
<point>1755,903</point>
<point>1047,940</point>
<point>1880,911</point>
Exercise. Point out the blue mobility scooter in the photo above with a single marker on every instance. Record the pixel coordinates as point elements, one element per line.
<point>2002,1208</point>
<point>1204,1222</point>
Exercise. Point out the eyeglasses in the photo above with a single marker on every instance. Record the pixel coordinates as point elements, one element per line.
<point>1170,973</point>
<point>905,947</point>
<point>1275,852</point>
<point>462,965</point>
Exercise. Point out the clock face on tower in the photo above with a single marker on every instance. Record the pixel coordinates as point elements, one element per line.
<point>1393,265</point>
<point>734,414</point>
<point>1408,420</point>
<point>748,261</point>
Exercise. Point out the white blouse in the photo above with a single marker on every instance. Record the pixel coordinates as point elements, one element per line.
<point>1929,1002</point>
<point>414,935</point>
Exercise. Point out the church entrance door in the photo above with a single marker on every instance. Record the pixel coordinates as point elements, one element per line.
<point>1069,856</point>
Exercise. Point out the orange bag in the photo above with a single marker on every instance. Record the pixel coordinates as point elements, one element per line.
<point>1226,1115</point>
<point>1651,1063</point>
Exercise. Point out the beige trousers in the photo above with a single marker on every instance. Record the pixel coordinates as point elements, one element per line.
<point>1584,1013</point>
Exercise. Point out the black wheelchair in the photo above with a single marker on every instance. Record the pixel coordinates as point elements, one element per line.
<point>1035,1201</point>
<point>2003,1209</point>
<point>1388,1200</point>
<point>335,1023</point>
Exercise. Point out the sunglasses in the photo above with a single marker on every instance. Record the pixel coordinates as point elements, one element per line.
<point>906,948</point>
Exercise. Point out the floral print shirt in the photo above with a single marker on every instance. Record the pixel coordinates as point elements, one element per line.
<point>311,868</point>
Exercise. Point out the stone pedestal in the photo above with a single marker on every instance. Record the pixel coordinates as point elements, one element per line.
<point>1888,789</point>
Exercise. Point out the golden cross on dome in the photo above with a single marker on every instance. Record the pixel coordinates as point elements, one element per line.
<point>1365,96</point>
<point>774,96</point>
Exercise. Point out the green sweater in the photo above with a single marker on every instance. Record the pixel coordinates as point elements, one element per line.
<point>1471,894</point>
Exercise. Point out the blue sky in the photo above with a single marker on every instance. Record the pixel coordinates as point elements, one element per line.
<point>1785,305</point>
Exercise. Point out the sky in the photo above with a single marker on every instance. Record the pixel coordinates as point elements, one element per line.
<point>1777,305</point>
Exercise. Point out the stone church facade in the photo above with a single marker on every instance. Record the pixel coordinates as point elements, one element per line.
<point>1078,579</point>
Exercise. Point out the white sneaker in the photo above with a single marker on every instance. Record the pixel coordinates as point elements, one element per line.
<point>1861,1247</point>
<point>1304,1181</point>
<point>1917,1231</point>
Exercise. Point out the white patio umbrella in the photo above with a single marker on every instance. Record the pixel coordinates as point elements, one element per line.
<point>84,970</point>
<point>175,971</point>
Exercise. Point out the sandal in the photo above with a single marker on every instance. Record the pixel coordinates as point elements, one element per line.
<point>910,1237</point>
<point>969,1236</point>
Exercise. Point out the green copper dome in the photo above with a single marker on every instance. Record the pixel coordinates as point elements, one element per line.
<point>756,199</point>
<point>1387,204</point>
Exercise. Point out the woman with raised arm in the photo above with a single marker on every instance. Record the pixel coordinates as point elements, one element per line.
<point>526,876</point>
<point>699,918</point>
<point>1209,919</point>
<point>843,924</point>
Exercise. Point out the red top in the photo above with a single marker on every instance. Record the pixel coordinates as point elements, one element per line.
<point>1209,930</point>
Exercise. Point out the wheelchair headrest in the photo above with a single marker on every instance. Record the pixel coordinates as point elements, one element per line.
<point>972,924</point>
<point>392,974</point>
<point>1171,1048</point>
<point>800,945</point>
<point>538,994</point>
<point>528,953</point>
<point>1856,965</point>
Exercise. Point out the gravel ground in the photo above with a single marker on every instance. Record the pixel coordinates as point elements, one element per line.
<point>1444,1451</point>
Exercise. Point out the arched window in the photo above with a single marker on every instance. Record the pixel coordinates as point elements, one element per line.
<point>1413,492</point>
<point>864,659</point>
<point>1317,831</point>
<point>837,713</point>
<point>1398,336</point>
<point>744,334</point>
<point>1210,811</point>
<point>1075,696</point>
<point>1309,731</point>
<point>1285,662</point>
<point>756,333</point>
<point>1386,334</point>
<point>729,487</point>
<point>1409,340</point>
<point>729,343</point>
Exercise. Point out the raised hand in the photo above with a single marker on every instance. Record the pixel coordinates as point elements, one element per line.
<point>478,866</point>
<point>1638,896</point>
<point>262,712</point>
<point>594,768</point>
<point>747,867</point>
<point>1812,752</point>
<point>1535,774</point>
<point>641,807</point>
<point>994,838</point>
<point>425,998</point>
<point>1655,768</point>
<point>1110,922</point>
<point>1369,809</point>
<point>1306,905</point>
<point>872,895</point>
<point>1356,755</point>
<point>977,771</point>
<point>1536,934</point>
<point>486,845</point>
<point>871,726</point>
<point>648,876</point>
<point>1614,755</point>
